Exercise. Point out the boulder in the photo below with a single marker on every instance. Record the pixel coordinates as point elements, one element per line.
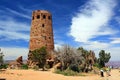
<point>16,64</point>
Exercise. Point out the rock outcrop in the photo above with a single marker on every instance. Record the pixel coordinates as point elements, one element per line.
<point>19,60</point>
<point>16,64</point>
<point>31,63</point>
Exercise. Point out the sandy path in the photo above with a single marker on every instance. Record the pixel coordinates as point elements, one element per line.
<point>48,75</point>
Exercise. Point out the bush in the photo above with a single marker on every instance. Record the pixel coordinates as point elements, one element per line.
<point>36,67</point>
<point>4,66</point>
<point>68,72</point>
<point>58,71</point>
<point>47,66</point>
<point>97,65</point>
<point>74,68</point>
<point>24,66</point>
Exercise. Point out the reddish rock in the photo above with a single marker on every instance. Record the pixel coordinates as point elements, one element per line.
<point>16,64</point>
<point>19,60</point>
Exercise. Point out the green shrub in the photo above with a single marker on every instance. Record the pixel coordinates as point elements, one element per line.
<point>47,66</point>
<point>68,72</point>
<point>4,66</point>
<point>74,68</point>
<point>24,66</point>
<point>97,65</point>
<point>58,71</point>
<point>36,67</point>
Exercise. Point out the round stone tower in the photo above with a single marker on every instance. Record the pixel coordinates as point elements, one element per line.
<point>41,33</point>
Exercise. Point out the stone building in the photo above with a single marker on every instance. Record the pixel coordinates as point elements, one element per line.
<point>41,33</point>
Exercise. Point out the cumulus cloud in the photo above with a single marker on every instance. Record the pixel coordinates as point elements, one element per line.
<point>92,20</point>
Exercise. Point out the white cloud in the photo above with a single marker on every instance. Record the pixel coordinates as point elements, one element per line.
<point>13,35</point>
<point>96,45</point>
<point>14,53</point>
<point>18,13</point>
<point>92,20</point>
<point>115,40</point>
<point>57,46</point>
<point>25,9</point>
<point>117,19</point>
<point>11,29</point>
<point>12,25</point>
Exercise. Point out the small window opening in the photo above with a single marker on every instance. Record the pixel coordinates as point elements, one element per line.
<point>44,17</point>
<point>49,17</point>
<point>43,25</point>
<point>38,16</point>
<point>49,37</point>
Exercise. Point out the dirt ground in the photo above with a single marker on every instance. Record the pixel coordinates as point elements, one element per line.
<point>49,75</point>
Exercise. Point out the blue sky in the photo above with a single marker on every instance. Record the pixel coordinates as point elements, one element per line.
<point>93,24</point>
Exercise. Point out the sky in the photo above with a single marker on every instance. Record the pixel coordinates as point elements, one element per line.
<point>92,24</point>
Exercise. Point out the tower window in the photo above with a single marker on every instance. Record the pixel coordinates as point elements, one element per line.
<point>38,16</point>
<point>49,17</point>
<point>43,25</point>
<point>44,17</point>
<point>49,37</point>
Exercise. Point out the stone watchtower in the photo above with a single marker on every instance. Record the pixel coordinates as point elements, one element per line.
<point>41,33</point>
<point>41,30</point>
